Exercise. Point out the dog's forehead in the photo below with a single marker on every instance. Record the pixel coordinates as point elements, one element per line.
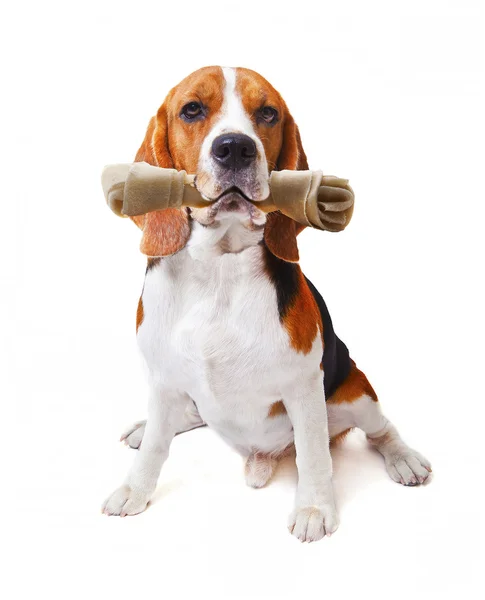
<point>201,84</point>
<point>209,84</point>
<point>254,89</point>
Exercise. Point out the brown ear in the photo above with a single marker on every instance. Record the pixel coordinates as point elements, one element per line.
<point>292,156</point>
<point>164,231</point>
<point>281,231</point>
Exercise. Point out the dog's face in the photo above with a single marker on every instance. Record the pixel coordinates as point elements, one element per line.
<point>225,125</point>
<point>230,128</point>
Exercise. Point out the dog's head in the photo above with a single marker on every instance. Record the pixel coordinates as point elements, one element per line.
<point>231,128</point>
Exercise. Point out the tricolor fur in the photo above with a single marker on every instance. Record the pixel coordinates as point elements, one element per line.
<point>233,334</point>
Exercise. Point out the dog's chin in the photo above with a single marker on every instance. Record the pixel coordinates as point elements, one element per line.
<point>232,205</point>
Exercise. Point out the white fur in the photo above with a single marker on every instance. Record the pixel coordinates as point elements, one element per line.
<point>133,435</point>
<point>363,413</point>
<point>259,469</point>
<point>234,119</point>
<point>211,334</point>
<point>403,464</point>
<point>212,329</point>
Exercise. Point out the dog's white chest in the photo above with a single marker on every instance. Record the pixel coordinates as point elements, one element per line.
<point>211,329</point>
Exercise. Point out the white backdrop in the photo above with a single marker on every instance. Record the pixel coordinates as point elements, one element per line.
<point>388,94</point>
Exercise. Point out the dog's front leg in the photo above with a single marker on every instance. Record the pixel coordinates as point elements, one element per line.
<point>315,514</point>
<point>165,415</point>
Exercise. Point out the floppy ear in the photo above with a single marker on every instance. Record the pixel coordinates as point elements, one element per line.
<point>280,231</point>
<point>164,231</point>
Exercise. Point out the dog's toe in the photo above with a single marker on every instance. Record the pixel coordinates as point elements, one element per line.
<point>259,469</point>
<point>409,467</point>
<point>125,501</point>
<point>312,523</point>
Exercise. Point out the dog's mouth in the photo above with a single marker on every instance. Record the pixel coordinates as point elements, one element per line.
<point>213,189</point>
<point>233,199</point>
<point>234,203</point>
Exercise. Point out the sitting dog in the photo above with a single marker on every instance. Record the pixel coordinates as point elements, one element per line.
<point>233,334</point>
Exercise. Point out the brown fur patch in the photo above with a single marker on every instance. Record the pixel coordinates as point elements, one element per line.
<point>340,437</point>
<point>164,232</point>
<point>184,140</point>
<point>280,236</point>
<point>139,313</point>
<point>277,408</point>
<point>292,155</point>
<point>255,92</point>
<point>303,320</point>
<point>170,142</point>
<point>282,143</point>
<point>355,386</point>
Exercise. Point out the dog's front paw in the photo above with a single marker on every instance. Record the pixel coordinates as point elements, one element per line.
<point>312,523</point>
<point>125,501</point>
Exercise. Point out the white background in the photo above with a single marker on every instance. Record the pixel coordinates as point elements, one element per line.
<point>388,94</point>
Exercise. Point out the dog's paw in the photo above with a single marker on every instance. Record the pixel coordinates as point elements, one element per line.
<point>407,467</point>
<point>312,523</point>
<point>259,469</point>
<point>133,436</point>
<point>125,501</point>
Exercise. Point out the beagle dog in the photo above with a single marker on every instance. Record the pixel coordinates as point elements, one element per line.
<point>233,334</point>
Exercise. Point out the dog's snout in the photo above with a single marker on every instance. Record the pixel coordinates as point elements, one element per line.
<point>234,151</point>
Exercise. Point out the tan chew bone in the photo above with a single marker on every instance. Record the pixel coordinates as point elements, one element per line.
<point>309,197</point>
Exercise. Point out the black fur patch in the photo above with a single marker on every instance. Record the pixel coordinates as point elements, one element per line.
<point>284,277</point>
<point>152,262</point>
<point>336,359</point>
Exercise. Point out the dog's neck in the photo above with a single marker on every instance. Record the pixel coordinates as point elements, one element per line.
<point>225,236</point>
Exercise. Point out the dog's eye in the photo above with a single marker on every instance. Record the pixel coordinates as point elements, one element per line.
<point>191,110</point>
<point>269,114</point>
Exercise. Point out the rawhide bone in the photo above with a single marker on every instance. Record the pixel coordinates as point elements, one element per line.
<point>309,197</point>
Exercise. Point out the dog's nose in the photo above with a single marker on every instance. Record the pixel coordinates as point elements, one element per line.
<point>234,151</point>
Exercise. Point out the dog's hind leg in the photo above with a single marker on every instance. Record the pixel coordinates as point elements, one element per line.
<point>355,404</point>
<point>133,435</point>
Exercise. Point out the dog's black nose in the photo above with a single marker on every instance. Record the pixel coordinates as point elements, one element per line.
<point>234,151</point>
